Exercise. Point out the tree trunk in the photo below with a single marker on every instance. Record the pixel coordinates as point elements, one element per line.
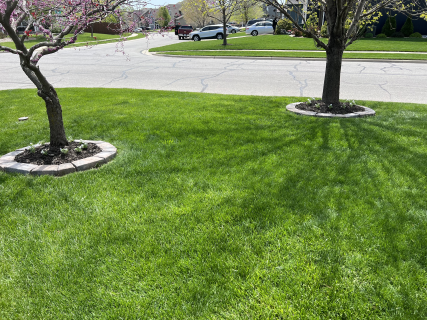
<point>331,85</point>
<point>224,28</point>
<point>54,114</point>
<point>53,107</point>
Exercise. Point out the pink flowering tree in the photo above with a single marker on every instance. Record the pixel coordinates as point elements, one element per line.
<point>73,16</point>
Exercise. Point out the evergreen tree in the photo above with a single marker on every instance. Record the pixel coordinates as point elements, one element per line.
<point>389,26</point>
<point>408,27</point>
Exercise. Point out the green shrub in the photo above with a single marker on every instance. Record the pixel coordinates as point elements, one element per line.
<point>297,32</point>
<point>311,25</point>
<point>369,35</point>
<point>56,29</point>
<point>416,35</point>
<point>283,24</point>
<point>398,35</point>
<point>312,30</point>
<point>389,26</point>
<point>381,35</point>
<point>2,35</point>
<point>408,27</point>
<point>324,30</point>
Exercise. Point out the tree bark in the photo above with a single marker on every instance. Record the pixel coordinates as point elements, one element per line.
<point>58,138</point>
<point>224,28</point>
<point>331,85</point>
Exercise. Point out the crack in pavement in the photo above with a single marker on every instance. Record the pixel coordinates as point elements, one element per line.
<point>180,61</point>
<point>56,72</point>
<point>151,69</point>
<point>381,86</point>
<point>235,63</point>
<point>230,64</point>
<point>202,80</point>
<point>302,84</point>
<point>122,77</point>
<point>205,86</point>
<point>177,80</point>
<point>383,69</point>
<point>394,66</point>
<point>363,68</point>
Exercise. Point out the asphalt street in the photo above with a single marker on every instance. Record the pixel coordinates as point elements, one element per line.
<point>102,66</point>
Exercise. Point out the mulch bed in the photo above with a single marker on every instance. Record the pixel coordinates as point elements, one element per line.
<point>321,107</point>
<point>55,156</point>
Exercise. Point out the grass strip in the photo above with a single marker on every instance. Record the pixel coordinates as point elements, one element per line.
<point>285,42</point>
<point>216,206</point>
<point>96,42</point>
<point>82,40</point>
<point>389,56</point>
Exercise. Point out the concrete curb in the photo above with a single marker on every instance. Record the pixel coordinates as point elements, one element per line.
<point>108,152</point>
<point>367,113</point>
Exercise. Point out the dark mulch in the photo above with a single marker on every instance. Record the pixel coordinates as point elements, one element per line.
<point>319,106</point>
<point>55,156</point>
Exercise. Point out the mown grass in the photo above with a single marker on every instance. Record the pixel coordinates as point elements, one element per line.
<point>284,42</point>
<point>82,39</point>
<point>346,55</point>
<point>216,207</point>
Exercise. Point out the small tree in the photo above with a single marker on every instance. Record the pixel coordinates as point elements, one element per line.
<point>247,10</point>
<point>389,26</point>
<point>164,17</point>
<point>72,17</point>
<point>346,23</point>
<point>223,10</point>
<point>408,27</point>
<point>195,12</point>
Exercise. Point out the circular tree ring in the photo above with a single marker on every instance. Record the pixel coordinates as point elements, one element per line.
<point>367,113</point>
<point>108,152</point>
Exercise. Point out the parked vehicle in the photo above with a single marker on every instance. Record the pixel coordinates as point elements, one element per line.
<point>253,21</point>
<point>183,32</point>
<point>21,29</point>
<point>230,28</point>
<point>208,32</point>
<point>141,29</point>
<point>264,27</point>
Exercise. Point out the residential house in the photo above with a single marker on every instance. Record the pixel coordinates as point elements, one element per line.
<point>294,6</point>
<point>147,17</point>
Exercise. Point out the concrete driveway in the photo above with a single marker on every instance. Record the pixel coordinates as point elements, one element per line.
<point>102,66</point>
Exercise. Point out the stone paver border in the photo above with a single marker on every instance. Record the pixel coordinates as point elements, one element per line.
<point>108,152</point>
<point>367,113</point>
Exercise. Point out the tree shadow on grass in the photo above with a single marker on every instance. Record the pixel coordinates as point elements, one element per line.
<point>240,209</point>
<point>360,198</point>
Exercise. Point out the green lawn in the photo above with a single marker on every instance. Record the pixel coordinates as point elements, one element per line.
<point>216,207</point>
<point>82,39</point>
<point>320,54</point>
<point>284,42</point>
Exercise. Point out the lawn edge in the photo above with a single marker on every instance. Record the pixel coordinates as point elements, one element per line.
<point>286,58</point>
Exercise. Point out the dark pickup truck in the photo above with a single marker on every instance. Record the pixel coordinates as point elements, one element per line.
<point>183,31</point>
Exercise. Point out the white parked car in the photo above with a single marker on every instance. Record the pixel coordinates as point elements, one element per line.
<point>230,28</point>
<point>208,32</point>
<point>262,27</point>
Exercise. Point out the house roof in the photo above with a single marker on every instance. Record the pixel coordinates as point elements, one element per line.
<point>151,13</point>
